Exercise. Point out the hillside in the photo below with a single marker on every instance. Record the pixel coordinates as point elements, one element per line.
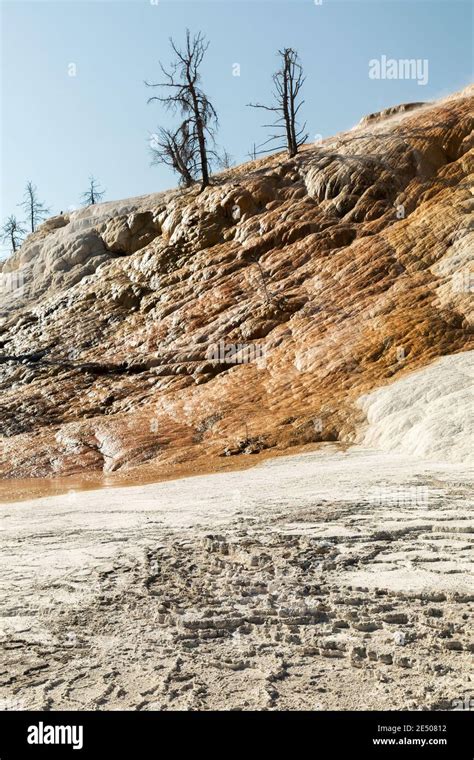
<point>287,304</point>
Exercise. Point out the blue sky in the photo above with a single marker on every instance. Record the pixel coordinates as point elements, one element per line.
<point>57,129</point>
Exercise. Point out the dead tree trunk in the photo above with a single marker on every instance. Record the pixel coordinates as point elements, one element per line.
<point>288,81</point>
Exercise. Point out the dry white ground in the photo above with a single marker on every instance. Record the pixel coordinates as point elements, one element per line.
<point>328,580</point>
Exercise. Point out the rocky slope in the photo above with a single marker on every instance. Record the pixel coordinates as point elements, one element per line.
<point>174,328</point>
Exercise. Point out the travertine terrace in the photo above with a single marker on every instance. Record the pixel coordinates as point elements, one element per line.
<point>309,316</point>
<point>340,271</point>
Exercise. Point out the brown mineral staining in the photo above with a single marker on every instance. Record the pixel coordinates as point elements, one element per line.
<point>151,335</point>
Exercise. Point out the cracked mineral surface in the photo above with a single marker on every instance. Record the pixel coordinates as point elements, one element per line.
<point>344,585</point>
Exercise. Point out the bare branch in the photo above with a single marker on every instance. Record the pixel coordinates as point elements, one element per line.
<point>180,149</point>
<point>93,194</point>
<point>287,81</point>
<point>13,231</point>
<point>35,210</point>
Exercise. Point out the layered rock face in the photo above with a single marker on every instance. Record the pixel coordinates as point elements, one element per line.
<point>261,314</point>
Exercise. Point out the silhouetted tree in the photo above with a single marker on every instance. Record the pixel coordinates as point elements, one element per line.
<point>252,154</point>
<point>178,150</point>
<point>13,231</point>
<point>93,193</point>
<point>184,93</point>
<point>226,161</point>
<point>35,210</point>
<point>288,81</point>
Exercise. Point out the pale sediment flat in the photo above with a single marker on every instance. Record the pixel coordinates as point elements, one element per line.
<point>327,580</point>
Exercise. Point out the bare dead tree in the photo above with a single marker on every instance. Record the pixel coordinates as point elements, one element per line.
<point>35,210</point>
<point>226,161</point>
<point>93,193</point>
<point>288,81</point>
<point>252,154</point>
<point>178,150</point>
<point>13,231</point>
<point>182,92</point>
